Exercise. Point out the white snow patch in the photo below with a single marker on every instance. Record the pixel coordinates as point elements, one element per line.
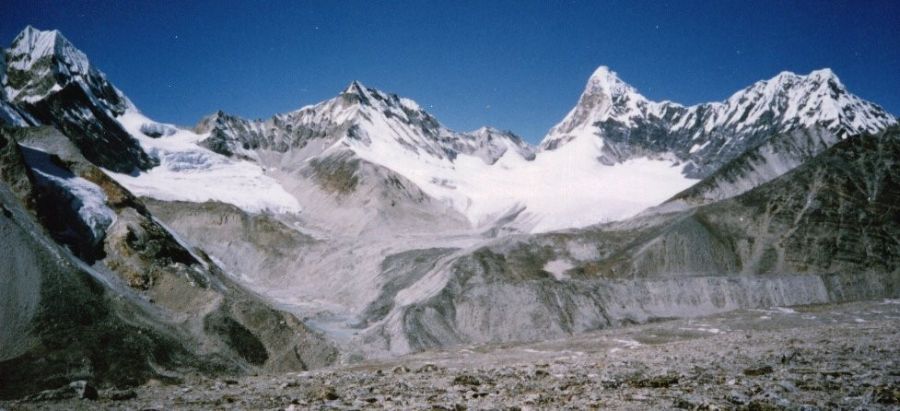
<point>627,343</point>
<point>697,147</point>
<point>710,330</point>
<point>558,268</point>
<point>90,199</point>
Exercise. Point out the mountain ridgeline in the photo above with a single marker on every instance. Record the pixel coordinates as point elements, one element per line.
<point>361,227</point>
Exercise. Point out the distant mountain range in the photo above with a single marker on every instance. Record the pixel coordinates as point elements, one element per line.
<point>387,232</point>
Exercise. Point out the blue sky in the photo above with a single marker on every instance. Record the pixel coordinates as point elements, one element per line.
<point>516,65</point>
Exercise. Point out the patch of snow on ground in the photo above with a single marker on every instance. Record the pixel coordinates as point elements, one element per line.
<point>710,330</point>
<point>558,268</point>
<point>628,344</point>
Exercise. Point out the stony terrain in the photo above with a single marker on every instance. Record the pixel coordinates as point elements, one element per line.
<point>811,357</point>
<point>147,266</point>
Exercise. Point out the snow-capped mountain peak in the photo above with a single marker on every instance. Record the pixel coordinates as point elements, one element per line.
<point>606,97</point>
<point>32,45</point>
<point>361,119</point>
<point>491,144</point>
<point>359,93</point>
<point>626,125</point>
<point>606,81</point>
<point>43,60</point>
<point>794,101</point>
<point>355,86</point>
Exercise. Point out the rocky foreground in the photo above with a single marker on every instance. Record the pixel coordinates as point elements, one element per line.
<point>813,357</point>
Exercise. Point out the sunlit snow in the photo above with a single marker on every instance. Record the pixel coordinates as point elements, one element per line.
<point>188,172</point>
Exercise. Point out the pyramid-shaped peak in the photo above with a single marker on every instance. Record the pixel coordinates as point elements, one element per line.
<point>606,81</point>
<point>31,32</point>
<point>604,73</point>
<point>32,44</point>
<point>355,86</point>
<point>358,93</point>
<point>40,42</point>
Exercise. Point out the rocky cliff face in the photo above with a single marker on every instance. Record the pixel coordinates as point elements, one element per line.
<point>97,289</point>
<point>53,82</point>
<point>823,232</point>
<point>390,233</point>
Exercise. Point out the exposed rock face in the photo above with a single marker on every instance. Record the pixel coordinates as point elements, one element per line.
<point>53,82</point>
<point>147,307</point>
<point>778,155</point>
<point>377,225</point>
<point>60,323</point>
<point>708,136</point>
<point>824,232</point>
<point>355,114</point>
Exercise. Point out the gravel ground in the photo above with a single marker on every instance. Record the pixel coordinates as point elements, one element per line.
<point>813,357</point>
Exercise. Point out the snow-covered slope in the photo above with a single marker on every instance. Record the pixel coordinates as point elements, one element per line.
<point>707,136</point>
<point>43,62</point>
<point>189,172</point>
<point>49,79</point>
<point>615,154</point>
<point>486,174</point>
<point>86,198</point>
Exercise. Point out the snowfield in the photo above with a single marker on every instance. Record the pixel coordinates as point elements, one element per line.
<point>189,172</point>
<point>579,175</point>
<point>559,189</point>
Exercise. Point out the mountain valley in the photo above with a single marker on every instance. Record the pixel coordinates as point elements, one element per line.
<point>361,232</point>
